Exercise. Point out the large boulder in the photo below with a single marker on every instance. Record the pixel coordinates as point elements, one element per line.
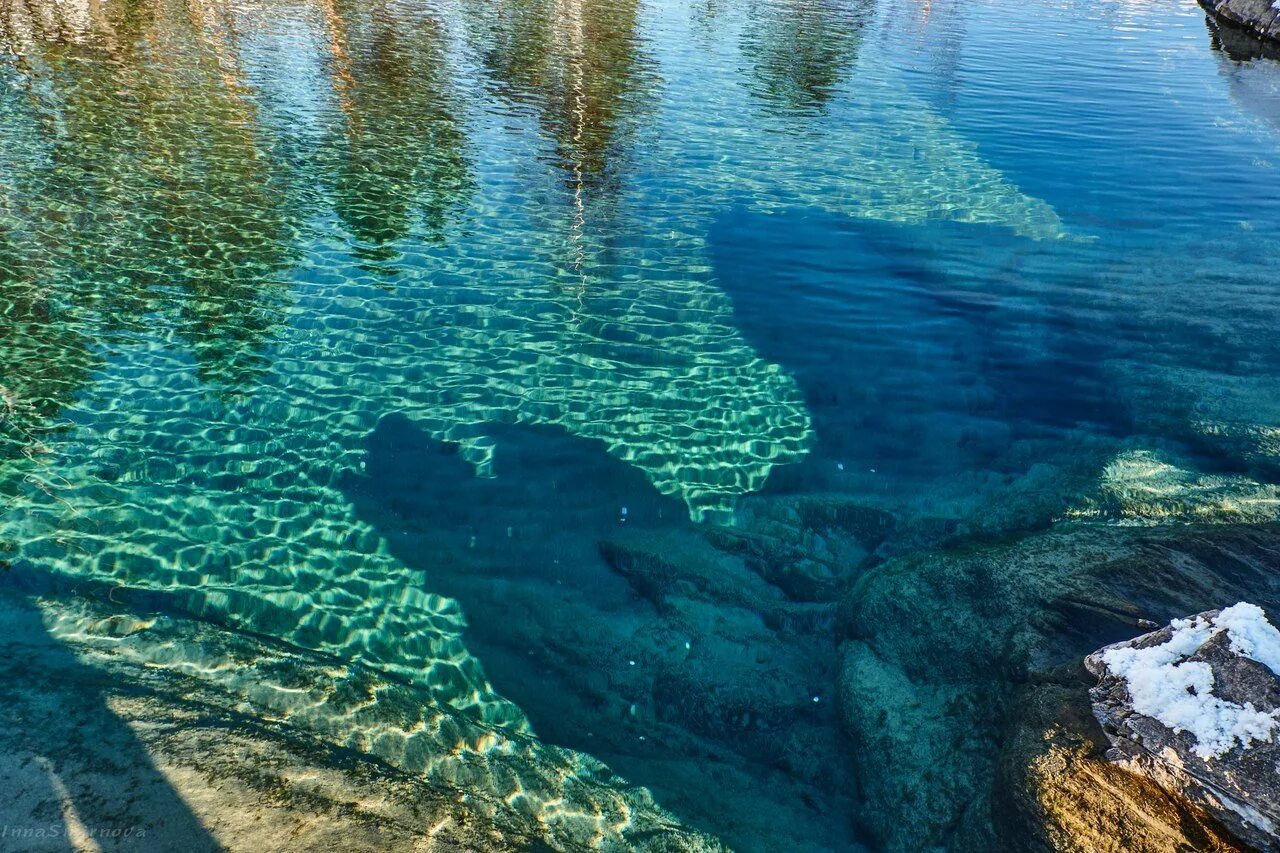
<point>1056,791</point>
<point>940,644</point>
<point>1195,706</point>
<point>1260,17</point>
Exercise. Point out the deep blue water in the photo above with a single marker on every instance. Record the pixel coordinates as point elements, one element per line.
<point>569,362</point>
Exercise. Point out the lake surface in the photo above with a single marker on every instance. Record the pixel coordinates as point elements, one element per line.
<point>566,363</point>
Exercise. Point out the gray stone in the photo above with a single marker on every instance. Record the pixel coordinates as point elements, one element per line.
<point>1256,16</point>
<point>938,644</point>
<point>1241,788</point>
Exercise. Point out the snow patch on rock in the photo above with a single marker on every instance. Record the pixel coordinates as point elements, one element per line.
<point>1165,686</point>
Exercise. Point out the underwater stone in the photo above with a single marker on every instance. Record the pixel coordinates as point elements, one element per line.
<point>1149,487</point>
<point>807,546</point>
<point>1221,755</point>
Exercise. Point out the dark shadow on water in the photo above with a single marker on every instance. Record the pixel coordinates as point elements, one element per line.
<point>78,752</point>
<point>552,497</point>
<point>500,545</point>
<point>908,358</point>
<point>599,664</point>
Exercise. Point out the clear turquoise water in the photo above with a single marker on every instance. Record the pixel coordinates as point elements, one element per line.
<point>366,327</point>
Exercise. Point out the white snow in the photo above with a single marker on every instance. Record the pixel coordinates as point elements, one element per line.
<point>1179,693</point>
<point>1251,634</point>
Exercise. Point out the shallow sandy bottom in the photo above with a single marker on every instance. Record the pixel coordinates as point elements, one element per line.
<point>122,732</point>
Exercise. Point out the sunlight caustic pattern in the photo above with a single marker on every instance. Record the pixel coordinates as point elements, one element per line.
<point>236,235</point>
<point>508,777</point>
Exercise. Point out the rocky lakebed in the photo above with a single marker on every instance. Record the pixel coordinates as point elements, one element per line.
<point>894,683</point>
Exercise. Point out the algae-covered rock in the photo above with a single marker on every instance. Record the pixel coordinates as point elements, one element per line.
<point>1194,707</point>
<point>939,642</point>
<point>808,546</point>
<point>1144,486</point>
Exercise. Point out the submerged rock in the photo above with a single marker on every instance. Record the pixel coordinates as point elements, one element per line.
<point>807,546</point>
<point>679,659</point>
<point>1148,487</point>
<point>1194,706</point>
